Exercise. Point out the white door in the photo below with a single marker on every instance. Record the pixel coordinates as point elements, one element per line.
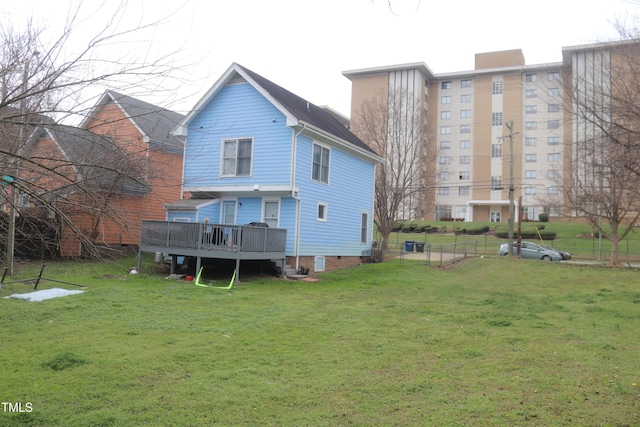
<point>271,213</point>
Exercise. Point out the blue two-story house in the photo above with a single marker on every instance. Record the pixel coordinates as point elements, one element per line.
<point>257,153</point>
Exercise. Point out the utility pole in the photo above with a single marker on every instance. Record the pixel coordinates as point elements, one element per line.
<point>512,207</point>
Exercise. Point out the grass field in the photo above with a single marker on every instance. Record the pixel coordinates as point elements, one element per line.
<point>486,342</point>
<point>573,237</point>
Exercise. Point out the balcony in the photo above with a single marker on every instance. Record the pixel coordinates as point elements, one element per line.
<point>205,240</point>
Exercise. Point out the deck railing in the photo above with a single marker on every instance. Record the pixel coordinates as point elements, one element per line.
<point>206,236</point>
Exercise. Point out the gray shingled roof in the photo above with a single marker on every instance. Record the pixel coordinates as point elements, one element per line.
<point>101,164</point>
<point>156,122</point>
<point>308,112</point>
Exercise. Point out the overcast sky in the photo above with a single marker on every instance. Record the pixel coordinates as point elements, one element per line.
<point>305,45</point>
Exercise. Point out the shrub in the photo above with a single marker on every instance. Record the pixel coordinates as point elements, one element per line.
<point>528,233</point>
<point>543,217</point>
<point>476,230</point>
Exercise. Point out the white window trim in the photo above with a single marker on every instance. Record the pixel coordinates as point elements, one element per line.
<point>326,212</point>
<point>366,239</point>
<point>222,174</point>
<point>329,171</point>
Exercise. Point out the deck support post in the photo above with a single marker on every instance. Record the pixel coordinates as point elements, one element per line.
<point>198,264</point>
<point>237,269</point>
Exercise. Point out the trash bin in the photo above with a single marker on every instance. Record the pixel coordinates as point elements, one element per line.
<point>408,245</point>
<point>419,247</point>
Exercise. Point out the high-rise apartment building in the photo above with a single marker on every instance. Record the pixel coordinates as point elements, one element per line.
<point>478,120</point>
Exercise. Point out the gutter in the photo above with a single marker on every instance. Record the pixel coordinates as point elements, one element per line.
<point>294,153</point>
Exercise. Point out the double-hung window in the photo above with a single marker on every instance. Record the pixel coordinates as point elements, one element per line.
<point>320,168</point>
<point>236,156</point>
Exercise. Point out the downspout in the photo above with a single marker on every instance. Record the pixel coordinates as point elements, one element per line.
<point>294,149</point>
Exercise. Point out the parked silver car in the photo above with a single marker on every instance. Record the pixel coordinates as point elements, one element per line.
<point>531,250</point>
<point>563,254</point>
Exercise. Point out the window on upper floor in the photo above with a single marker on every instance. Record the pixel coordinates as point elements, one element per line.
<point>553,108</point>
<point>445,100</point>
<point>465,143</point>
<point>553,91</point>
<point>496,183</point>
<point>530,174</point>
<point>465,83</point>
<point>530,191</point>
<point>530,158</point>
<point>531,77</point>
<point>444,160</point>
<point>443,176</point>
<point>497,87</point>
<point>236,157</point>
<point>445,130</point>
<point>553,190</point>
<point>531,93</point>
<point>531,142</point>
<point>446,85</point>
<point>465,129</point>
<point>320,167</point>
<point>496,119</point>
<point>553,75</point>
<point>465,114</point>
<point>496,151</point>
<point>443,191</point>
<point>553,174</point>
<point>464,175</point>
<point>553,140</point>
<point>445,114</point>
<point>531,125</point>
<point>444,145</point>
<point>553,157</point>
<point>465,99</point>
<point>531,109</point>
<point>553,124</point>
<point>465,160</point>
<point>463,191</point>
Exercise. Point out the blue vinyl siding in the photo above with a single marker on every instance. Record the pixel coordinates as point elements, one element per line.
<point>238,111</point>
<point>348,194</point>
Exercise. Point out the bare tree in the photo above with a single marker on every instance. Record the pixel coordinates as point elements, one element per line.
<point>45,84</point>
<point>604,92</point>
<point>394,125</point>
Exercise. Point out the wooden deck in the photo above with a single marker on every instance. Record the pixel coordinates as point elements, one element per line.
<point>205,240</point>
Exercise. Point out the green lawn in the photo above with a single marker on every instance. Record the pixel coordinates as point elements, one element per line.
<point>572,237</point>
<point>487,342</point>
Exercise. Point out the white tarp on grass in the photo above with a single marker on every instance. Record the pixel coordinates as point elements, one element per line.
<point>44,294</point>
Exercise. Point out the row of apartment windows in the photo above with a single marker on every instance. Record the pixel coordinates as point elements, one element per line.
<point>496,185</point>
<point>464,114</point>
<point>533,109</point>
<point>498,85</point>
<point>496,149</point>
<point>464,99</point>
<point>496,153</point>
<point>533,93</point>
<point>496,120</point>
<point>464,144</point>
<point>446,130</point>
